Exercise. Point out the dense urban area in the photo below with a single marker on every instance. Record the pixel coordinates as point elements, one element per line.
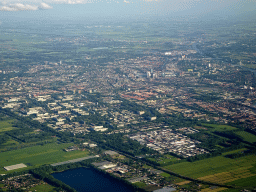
<point>158,108</point>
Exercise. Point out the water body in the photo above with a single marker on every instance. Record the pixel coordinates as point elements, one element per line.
<point>89,180</point>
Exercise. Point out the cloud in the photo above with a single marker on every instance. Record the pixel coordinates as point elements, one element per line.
<point>71,1</point>
<point>23,7</point>
<point>44,6</point>
<point>157,5</point>
<point>19,7</point>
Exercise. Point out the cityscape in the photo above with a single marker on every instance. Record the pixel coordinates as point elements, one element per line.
<point>163,104</point>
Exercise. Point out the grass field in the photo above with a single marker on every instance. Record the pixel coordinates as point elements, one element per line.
<point>213,165</point>
<point>140,184</point>
<point>6,126</point>
<point>165,174</point>
<point>39,155</point>
<point>214,127</point>
<point>11,142</point>
<point>247,136</point>
<point>43,188</point>
<point>165,159</point>
<point>234,151</point>
<point>231,190</point>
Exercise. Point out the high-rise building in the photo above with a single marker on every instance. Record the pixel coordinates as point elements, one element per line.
<point>148,74</point>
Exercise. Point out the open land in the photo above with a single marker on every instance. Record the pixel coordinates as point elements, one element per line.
<point>39,155</point>
<point>217,169</point>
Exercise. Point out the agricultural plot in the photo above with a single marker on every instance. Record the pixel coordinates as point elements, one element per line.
<point>226,177</point>
<point>244,182</point>
<point>213,190</point>
<point>231,190</point>
<point>247,136</point>
<point>39,155</point>
<point>215,165</point>
<point>183,182</point>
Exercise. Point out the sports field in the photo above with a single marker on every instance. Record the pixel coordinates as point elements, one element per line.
<point>39,155</point>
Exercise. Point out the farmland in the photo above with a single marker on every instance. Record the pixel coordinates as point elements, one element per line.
<point>228,169</point>
<point>244,182</point>
<point>213,190</point>
<point>229,176</point>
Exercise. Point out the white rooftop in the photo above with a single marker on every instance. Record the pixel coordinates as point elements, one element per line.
<point>17,166</point>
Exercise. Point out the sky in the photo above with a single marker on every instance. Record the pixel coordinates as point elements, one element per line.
<point>72,9</point>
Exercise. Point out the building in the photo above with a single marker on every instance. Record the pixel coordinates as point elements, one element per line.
<point>151,118</point>
<point>17,166</point>
<point>141,112</point>
<point>148,74</point>
<point>98,128</point>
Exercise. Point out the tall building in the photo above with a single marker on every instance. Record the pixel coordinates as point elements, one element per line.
<point>148,74</point>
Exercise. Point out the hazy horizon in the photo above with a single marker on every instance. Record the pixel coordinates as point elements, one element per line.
<point>125,10</point>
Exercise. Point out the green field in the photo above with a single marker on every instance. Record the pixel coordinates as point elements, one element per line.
<point>247,136</point>
<point>43,188</point>
<point>212,166</point>
<point>140,184</point>
<point>245,182</point>
<point>6,126</point>
<point>165,174</point>
<point>215,127</point>
<point>164,160</point>
<point>231,190</point>
<point>234,151</point>
<point>39,155</point>
<point>10,142</point>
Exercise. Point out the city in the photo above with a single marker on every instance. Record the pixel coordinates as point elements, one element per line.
<point>166,105</point>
